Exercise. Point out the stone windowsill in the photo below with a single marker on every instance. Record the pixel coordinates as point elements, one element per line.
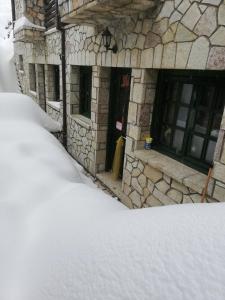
<point>21,72</point>
<point>176,170</point>
<point>33,93</point>
<point>82,121</point>
<point>50,31</point>
<point>54,104</point>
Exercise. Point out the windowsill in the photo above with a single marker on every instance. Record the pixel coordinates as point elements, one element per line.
<point>54,104</point>
<point>50,31</point>
<point>33,93</point>
<point>21,72</point>
<point>174,169</point>
<point>81,120</point>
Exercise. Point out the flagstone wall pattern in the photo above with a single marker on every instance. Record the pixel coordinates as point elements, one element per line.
<point>176,34</point>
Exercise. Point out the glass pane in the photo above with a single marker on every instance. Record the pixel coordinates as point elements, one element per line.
<point>196,146</point>
<point>186,93</point>
<point>210,151</point>
<point>207,95</point>
<point>178,140</point>
<point>221,100</point>
<point>169,114</point>
<point>216,125</point>
<point>174,93</point>
<point>166,135</point>
<point>182,117</point>
<point>202,121</point>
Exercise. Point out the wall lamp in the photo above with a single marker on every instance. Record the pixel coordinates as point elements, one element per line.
<point>107,38</point>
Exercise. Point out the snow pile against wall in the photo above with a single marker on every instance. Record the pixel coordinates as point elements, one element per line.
<point>17,107</point>
<point>5,16</point>
<point>8,79</point>
<point>61,239</point>
<point>24,23</point>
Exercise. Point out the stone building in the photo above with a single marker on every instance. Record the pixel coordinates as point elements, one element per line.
<point>163,75</point>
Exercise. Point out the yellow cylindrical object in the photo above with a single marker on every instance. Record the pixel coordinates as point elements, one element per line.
<point>117,160</point>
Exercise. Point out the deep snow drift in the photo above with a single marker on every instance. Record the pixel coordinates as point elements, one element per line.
<point>62,239</point>
<point>8,80</point>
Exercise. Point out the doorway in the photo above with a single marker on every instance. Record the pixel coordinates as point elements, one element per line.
<point>118,111</point>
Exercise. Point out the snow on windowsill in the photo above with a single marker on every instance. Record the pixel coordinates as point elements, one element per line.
<point>174,169</point>
<point>52,30</point>
<point>54,104</point>
<point>82,120</point>
<point>33,93</point>
<point>24,23</point>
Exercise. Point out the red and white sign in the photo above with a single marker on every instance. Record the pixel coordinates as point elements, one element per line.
<point>119,126</point>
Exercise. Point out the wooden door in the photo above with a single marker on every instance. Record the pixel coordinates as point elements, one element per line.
<point>118,110</point>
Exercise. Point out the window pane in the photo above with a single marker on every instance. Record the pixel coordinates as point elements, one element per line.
<point>196,146</point>
<point>182,117</point>
<point>175,91</point>
<point>178,140</point>
<point>210,151</point>
<point>169,114</point>
<point>166,135</point>
<point>207,95</point>
<point>186,93</point>
<point>221,100</point>
<point>216,125</point>
<point>202,121</point>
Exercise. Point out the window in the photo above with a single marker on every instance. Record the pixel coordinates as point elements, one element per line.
<point>188,114</point>
<point>21,63</point>
<point>56,81</point>
<point>32,77</point>
<point>50,14</point>
<point>85,91</point>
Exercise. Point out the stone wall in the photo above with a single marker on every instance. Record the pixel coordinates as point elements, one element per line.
<point>54,113</point>
<point>151,179</point>
<point>177,34</point>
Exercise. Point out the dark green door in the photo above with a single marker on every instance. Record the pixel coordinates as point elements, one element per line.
<point>118,110</point>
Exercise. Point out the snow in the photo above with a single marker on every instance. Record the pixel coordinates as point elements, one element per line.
<point>15,107</point>
<point>5,16</point>
<point>24,23</point>
<point>63,239</point>
<point>54,104</point>
<point>8,80</point>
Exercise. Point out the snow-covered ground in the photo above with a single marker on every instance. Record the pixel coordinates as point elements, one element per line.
<point>64,239</point>
<point>8,79</point>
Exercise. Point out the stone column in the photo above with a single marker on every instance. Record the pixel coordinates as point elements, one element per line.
<point>142,96</point>
<point>219,165</point>
<point>49,83</point>
<point>41,85</point>
<point>99,115</point>
<point>73,89</point>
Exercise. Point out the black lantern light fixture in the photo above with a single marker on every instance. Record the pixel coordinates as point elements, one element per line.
<point>107,37</point>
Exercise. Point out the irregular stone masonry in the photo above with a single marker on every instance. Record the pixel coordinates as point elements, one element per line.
<point>54,113</point>
<point>146,186</point>
<point>177,34</point>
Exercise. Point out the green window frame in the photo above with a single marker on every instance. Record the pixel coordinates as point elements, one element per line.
<point>187,115</point>
<point>85,91</point>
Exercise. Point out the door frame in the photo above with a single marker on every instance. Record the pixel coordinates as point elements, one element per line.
<point>113,92</point>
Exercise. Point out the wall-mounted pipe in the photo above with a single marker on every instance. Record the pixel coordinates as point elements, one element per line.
<point>13,10</point>
<point>60,27</point>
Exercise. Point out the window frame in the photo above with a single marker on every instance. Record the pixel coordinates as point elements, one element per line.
<point>21,63</point>
<point>186,77</point>
<point>85,91</point>
<point>32,78</point>
<point>56,80</point>
<point>51,13</point>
